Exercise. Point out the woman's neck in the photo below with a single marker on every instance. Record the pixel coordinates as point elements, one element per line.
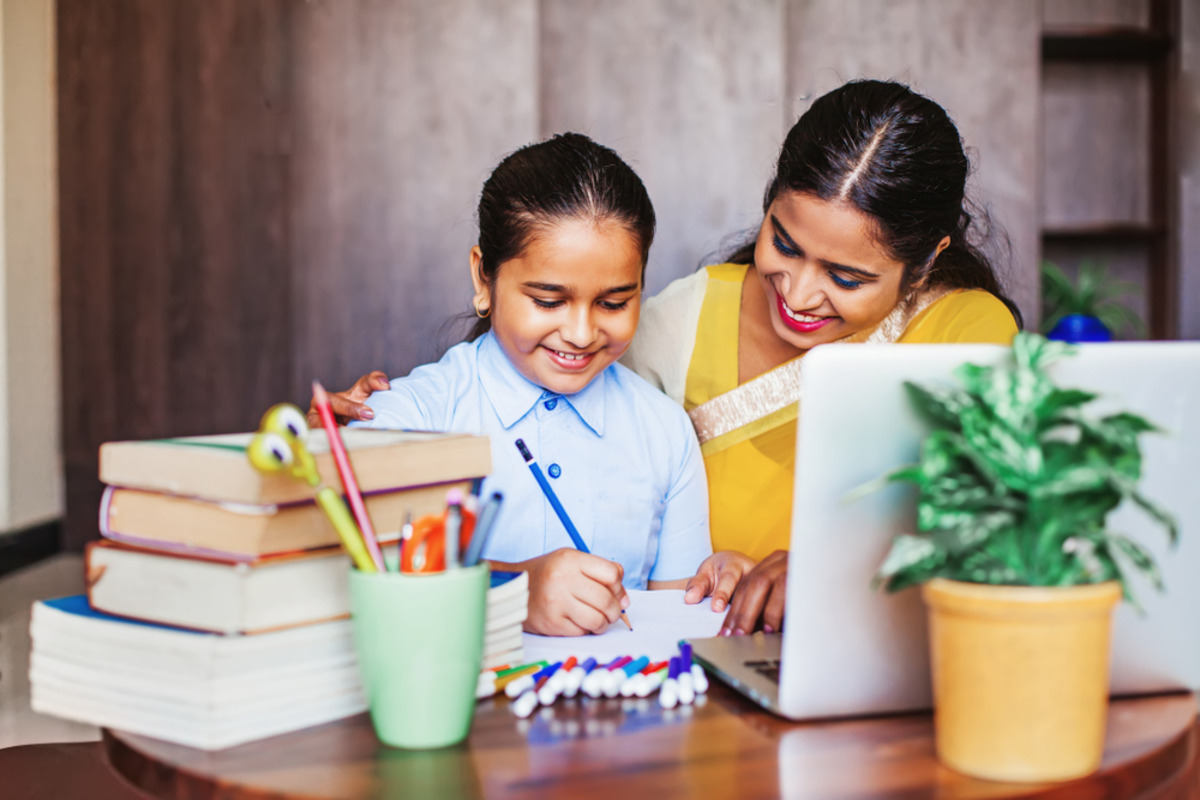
<point>759,348</point>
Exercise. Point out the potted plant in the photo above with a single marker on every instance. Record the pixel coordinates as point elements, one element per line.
<point>1086,309</point>
<point>1018,570</point>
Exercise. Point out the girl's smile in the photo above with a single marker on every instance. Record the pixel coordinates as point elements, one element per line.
<point>567,306</point>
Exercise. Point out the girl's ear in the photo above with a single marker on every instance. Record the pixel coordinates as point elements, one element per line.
<point>483,291</point>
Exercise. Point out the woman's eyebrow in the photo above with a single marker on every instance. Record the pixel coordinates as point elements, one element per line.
<point>790,242</point>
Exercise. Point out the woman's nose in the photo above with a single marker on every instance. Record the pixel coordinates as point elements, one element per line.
<point>804,291</point>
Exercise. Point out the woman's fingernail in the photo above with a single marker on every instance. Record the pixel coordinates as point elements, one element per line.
<point>738,632</point>
<point>768,629</point>
<point>718,605</point>
<point>367,414</point>
<point>724,632</point>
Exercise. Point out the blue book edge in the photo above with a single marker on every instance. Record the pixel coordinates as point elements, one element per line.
<point>77,605</point>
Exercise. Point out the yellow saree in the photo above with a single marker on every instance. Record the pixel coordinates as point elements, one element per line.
<point>748,441</point>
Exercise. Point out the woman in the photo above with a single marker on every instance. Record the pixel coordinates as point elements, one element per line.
<point>864,238</point>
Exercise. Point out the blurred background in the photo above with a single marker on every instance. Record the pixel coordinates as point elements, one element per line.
<point>208,203</point>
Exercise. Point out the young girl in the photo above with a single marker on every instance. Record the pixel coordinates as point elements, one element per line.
<point>564,229</point>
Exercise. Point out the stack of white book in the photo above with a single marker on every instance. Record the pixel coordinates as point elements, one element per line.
<point>212,691</point>
<point>508,606</point>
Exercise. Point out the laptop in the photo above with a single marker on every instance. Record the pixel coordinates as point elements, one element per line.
<point>849,650</point>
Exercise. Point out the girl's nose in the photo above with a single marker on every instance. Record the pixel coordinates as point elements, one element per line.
<point>579,330</point>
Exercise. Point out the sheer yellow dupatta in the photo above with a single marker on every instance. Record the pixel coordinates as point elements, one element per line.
<point>748,433</point>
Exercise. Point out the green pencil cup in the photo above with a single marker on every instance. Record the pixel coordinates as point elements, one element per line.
<point>419,639</point>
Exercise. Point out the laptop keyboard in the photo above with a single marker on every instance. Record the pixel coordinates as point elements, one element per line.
<point>768,668</point>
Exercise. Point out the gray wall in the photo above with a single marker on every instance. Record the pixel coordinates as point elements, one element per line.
<point>696,94</point>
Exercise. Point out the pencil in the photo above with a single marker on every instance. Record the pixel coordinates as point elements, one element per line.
<point>346,473</point>
<point>558,508</point>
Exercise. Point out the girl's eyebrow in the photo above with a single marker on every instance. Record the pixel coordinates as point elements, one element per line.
<point>790,242</point>
<point>555,287</point>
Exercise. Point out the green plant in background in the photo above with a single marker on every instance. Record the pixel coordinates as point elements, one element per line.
<point>1092,294</point>
<point>1015,482</point>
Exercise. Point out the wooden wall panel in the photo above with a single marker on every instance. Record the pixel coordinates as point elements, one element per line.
<point>1077,13</point>
<point>172,174</point>
<point>690,93</point>
<point>258,192</point>
<point>978,60</point>
<point>1095,144</point>
<point>1188,181</point>
<point>403,108</point>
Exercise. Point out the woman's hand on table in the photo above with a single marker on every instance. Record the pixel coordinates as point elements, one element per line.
<point>760,595</point>
<point>348,405</point>
<point>718,576</point>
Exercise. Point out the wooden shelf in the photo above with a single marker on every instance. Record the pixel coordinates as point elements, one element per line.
<point>1105,233</point>
<point>1105,44</point>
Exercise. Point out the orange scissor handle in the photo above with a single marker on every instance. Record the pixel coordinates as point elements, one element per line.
<point>426,550</point>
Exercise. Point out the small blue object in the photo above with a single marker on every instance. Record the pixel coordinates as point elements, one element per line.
<point>685,656</point>
<point>1080,328</point>
<point>588,665</point>
<point>551,403</point>
<point>555,470</point>
<point>634,667</point>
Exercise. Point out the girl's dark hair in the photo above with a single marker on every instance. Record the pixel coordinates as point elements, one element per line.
<point>565,177</point>
<point>896,156</point>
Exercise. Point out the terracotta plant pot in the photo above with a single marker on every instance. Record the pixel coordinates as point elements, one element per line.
<point>1020,677</point>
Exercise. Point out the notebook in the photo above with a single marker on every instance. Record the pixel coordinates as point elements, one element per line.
<point>848,650</point>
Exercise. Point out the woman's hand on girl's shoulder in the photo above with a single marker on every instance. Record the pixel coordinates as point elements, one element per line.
<point>348,405</point>
<point>573,593</point>
<point>760,596</point>
<point>718,576</point>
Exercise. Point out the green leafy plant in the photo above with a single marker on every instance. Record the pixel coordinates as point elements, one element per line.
<point>1015,482</point>
<point>1091,294</point>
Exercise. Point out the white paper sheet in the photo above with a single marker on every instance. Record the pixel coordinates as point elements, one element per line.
<point>660,619</point>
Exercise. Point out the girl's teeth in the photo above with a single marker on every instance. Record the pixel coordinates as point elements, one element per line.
<point>570,356</point>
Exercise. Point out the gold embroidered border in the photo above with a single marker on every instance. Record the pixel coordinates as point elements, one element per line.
<point>778,388</point>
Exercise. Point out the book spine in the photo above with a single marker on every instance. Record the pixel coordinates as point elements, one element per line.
<point>105,503</point>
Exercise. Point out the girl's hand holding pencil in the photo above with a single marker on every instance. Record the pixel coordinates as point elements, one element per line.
<point>572,593</point>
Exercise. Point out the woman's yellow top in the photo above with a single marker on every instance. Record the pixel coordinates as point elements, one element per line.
<point>750,469</point>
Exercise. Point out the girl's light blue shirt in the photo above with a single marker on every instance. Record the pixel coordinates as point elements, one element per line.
<point>622,457</point>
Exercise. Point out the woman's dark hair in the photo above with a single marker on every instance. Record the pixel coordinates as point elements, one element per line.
<point>565,177</point>
<point>896,156</point>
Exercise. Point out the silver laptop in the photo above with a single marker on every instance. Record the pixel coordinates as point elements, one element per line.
<point>848,650</point>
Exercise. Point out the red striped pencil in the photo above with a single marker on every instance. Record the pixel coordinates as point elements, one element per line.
<point>346,472</point>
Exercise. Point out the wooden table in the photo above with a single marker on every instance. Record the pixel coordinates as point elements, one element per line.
<point>624,750</point>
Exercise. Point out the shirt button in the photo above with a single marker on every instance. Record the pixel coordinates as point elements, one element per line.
<point>551,403</point>
<point>555,470</point>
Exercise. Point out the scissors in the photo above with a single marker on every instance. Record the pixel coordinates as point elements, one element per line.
<point>425,549</point>
<point>280,447</point>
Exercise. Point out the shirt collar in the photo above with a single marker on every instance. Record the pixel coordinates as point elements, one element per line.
<point>512,395</point>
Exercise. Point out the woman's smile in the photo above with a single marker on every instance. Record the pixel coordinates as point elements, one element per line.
<point>797,321</point>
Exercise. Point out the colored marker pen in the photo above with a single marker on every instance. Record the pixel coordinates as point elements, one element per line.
<point>454,500</point>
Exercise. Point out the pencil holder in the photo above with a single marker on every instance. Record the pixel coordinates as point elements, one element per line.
<point>419,639</point>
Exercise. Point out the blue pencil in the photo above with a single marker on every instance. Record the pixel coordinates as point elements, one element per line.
<point>558,508</point>
<point>552,497</point>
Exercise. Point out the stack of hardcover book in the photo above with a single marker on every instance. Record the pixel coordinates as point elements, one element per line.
<point>217,605</point>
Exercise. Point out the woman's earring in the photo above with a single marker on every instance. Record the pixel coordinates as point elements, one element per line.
<point>482,313</point>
